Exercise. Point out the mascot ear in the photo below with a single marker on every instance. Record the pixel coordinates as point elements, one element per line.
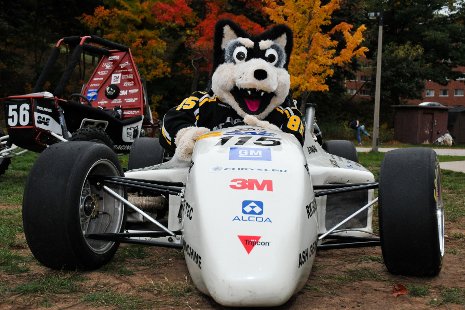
<point>225,31</point>
<point>281,35</point>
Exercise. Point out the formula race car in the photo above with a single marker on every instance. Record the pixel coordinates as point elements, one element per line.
<point>250,211</point>
<point>112,107</point>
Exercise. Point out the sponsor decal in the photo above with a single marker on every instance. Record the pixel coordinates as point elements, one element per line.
<point>132,132</point>
<point>242,153</point>
<point>127,76</point>
<point>103,72</point>
<point>43,120</point>
<point>252,184</point>
<point>123,92</point>
<point>98,79</point>
<point>92,94</point>
<point>254,207</point>
<point>115,78</point>
<point>116,101</point>
<point>129,84</point>
<point>131,100</point>
<point>334,162</point>
<point>94,85</point>
<point>115,57</point>
<point>220,169</point>
<point>122,147</point>
<point>192,254</point>
<point>311,149</point>
<point>124,65</point>
<point>188,210</point>
<point>44,109</point>
<point>131,112</point>
<point>252,210</point>
<point>102,102</point>
<point>311,208</point>
<point>107,65</point>
<point>133,91</point>
<point>249,242</point>
<point>307,253</point>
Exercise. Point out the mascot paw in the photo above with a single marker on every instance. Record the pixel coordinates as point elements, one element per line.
<point>254,121</point>
<point>185,141</point>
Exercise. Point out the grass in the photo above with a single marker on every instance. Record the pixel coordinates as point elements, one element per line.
<point>14,262</point>
<point>108,298</point>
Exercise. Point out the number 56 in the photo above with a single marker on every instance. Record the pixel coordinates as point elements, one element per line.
<point>18,114</point>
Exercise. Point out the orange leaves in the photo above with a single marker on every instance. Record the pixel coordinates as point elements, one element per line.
<point>176,12</point>
<point>316,52</point>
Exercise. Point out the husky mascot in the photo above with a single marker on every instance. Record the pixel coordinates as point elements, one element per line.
<point>249,85</point>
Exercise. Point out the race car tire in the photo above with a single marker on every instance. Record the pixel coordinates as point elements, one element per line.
<point>145,152</point>
<point>411,214</point>
<point>63,203</point>
<point>93,135</point>
<point>4,161</point>
<point>342,148</point>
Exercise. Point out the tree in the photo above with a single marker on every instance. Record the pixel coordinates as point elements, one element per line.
<point>316,52</point>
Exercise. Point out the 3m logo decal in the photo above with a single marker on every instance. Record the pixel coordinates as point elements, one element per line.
<point>252,184</point>
<point>249,242</point>
<point>242,153</point>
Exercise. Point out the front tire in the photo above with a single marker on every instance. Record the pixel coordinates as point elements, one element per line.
<point>145,152</point>
<point>62,204</point>
<point>341,148</point>
<point>411,214</point>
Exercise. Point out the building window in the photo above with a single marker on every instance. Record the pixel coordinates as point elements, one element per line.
<point>364,92</point>
<point>458,92</point>
<point>429,93</point>
<point>365,78</point>
<point>443,93</point>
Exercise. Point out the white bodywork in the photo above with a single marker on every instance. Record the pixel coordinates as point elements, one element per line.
<point>250,220</point>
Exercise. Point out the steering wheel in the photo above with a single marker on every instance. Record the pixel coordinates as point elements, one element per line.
<point>79,96</point>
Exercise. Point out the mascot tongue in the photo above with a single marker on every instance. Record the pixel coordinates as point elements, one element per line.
<point>252,104</point>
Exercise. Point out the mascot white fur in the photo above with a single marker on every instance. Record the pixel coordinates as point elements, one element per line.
<point>250,85</point>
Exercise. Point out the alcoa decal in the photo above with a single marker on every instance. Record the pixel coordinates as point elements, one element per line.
<point>253,210</point>
<point>252,184</point>
<point>249,242</point>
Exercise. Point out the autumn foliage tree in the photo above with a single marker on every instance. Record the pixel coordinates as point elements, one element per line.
<point>319,46</point>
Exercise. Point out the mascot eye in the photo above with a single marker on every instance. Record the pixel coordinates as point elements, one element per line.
<point>271,56</point>
<point>240,54</point>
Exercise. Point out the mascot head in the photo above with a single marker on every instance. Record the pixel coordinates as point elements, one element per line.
<point>250,72</point>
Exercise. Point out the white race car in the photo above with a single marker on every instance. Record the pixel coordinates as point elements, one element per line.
<point>250,211</point>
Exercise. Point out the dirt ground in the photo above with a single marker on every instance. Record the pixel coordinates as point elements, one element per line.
<point>157,278</point>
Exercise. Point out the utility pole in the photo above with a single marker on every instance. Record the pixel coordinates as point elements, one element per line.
<point>375,137</point>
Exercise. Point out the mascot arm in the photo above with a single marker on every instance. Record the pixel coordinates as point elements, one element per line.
<point>290,120</point>
<point>177,118</point>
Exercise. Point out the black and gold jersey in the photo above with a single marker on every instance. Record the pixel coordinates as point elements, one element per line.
<point>202,109</point>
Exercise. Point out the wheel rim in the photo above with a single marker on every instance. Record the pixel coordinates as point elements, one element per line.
<point>439,208</point>
<point>99,212</point>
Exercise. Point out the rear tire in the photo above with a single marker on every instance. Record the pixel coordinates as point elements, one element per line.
<point>342,148</point>
<point>145,152</point>
<point>93,135</point>
<point>4,161</point>
<point>411,214</point>
<point>61,206</point>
